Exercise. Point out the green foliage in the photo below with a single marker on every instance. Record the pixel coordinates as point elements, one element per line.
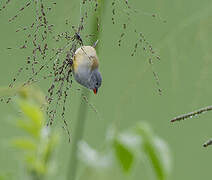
<point>138,144</point>
<point>34,119</point>
<point>153,151</point>
<point>92,158</point>
<point>37,142</point>
<point>124,155</point>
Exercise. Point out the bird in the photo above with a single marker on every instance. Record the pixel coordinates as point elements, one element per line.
<point>86,68</point>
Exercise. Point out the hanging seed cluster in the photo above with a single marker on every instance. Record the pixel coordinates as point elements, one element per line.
<point>35,39</point>
<point>141,43</point>
<point>5,5</point>
<point>54,62</point>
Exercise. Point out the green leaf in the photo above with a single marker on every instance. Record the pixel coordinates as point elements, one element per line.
<point>34,119</point>
<point>35,164</point>
<point>152,151</point>
<point>33,112</point>
<point>164,154</point>
<point>29,128</point>
<point>23,143</point>
<point>92,158</point>
<point>49,147</point>
<point>124,155</point>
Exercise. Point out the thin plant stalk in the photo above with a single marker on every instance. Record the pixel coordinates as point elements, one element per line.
<point>192,114</point>
<point>82,111</point>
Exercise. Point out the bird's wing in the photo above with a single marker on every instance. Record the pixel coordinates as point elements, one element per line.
<point>85,56</point>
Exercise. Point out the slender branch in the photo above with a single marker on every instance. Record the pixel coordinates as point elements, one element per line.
<point>192,114</point>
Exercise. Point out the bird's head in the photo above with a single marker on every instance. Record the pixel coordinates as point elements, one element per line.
<point>95,81</point>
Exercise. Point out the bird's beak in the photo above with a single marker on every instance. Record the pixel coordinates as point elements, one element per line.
<point>95,90</point>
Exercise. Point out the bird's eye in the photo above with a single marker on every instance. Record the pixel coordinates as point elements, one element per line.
<point>97,83</point>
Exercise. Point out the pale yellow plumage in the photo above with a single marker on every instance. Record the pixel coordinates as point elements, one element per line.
<point>85,56</point>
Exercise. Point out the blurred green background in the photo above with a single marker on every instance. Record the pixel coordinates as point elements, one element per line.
<point>129,92</point>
